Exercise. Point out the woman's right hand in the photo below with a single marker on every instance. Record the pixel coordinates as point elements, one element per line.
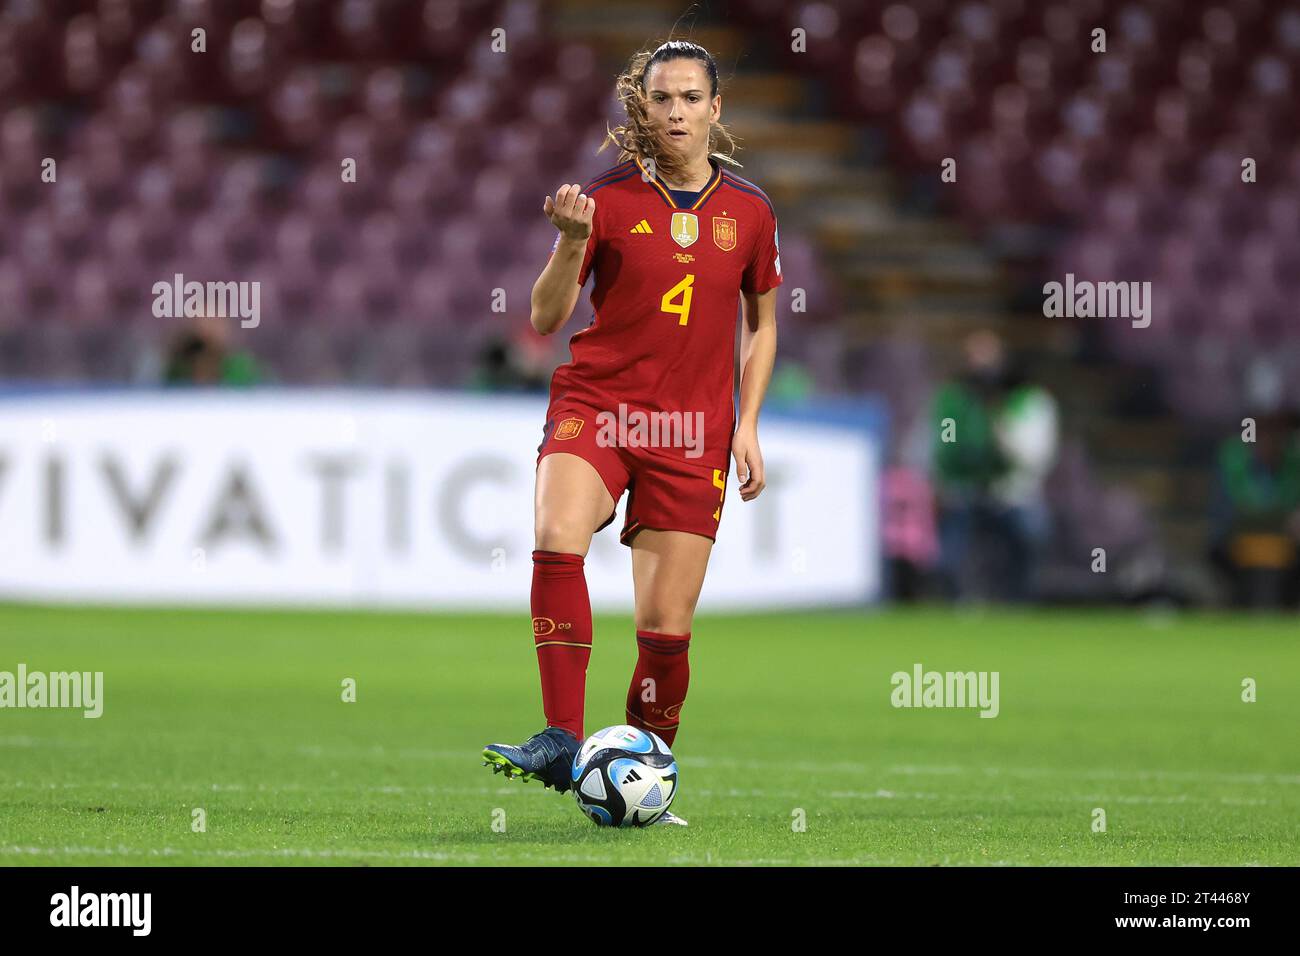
<point>571,212</point>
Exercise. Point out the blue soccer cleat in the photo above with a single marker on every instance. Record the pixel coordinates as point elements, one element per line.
<point>547,756</point>
<point>668,817</point>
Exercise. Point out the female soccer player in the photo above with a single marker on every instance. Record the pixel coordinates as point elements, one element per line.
<point>676,241</point>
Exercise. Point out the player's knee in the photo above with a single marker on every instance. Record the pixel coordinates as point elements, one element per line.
<point>665,620</point>
<point>563,535</point>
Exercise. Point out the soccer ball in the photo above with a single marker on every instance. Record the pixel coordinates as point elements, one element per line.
<point>624,777</point>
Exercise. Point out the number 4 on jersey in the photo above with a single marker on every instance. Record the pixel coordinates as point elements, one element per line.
<point>682,308</point>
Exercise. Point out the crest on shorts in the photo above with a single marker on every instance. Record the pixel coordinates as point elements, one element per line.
<point>724,233</point>
<point>685,228</point>
<point>568,428</point>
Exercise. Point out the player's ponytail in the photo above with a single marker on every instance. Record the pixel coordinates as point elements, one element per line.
<point>634,138</point>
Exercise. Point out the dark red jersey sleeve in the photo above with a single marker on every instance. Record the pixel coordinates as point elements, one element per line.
<point>763,272</point>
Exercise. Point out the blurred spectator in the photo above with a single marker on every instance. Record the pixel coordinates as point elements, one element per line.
<point>1255,516</point>
<point>996,437</point>
<point>791,382</point>
<point>519,364</point>
<point>910,544</point>
<point>200,354</point>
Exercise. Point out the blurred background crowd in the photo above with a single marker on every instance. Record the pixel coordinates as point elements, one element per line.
<point>1093,461</point>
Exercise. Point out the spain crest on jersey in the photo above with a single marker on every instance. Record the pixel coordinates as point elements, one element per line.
<point>685,228</point>
<point>724,233</point>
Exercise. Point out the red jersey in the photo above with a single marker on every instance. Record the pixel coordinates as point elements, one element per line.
<point>666,298</point>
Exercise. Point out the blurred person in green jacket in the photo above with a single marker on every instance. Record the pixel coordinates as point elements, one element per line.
<point>995,441</point>
<point>199,353</point>
<point>1255,513</point>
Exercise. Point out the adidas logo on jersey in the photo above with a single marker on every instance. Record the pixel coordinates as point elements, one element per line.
<point>642,227</point>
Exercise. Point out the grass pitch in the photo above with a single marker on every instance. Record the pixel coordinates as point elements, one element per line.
<point>789,720</point>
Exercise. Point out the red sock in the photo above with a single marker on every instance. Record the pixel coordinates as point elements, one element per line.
<point>658,689</point>
<point>562,633</point>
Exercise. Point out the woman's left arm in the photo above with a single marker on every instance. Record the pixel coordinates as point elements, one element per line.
<point>757,355</point>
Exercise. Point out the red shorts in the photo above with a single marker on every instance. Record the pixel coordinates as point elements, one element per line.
<point>665,493</point>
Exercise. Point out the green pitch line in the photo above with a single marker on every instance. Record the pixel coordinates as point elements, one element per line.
<point>790,752</point>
